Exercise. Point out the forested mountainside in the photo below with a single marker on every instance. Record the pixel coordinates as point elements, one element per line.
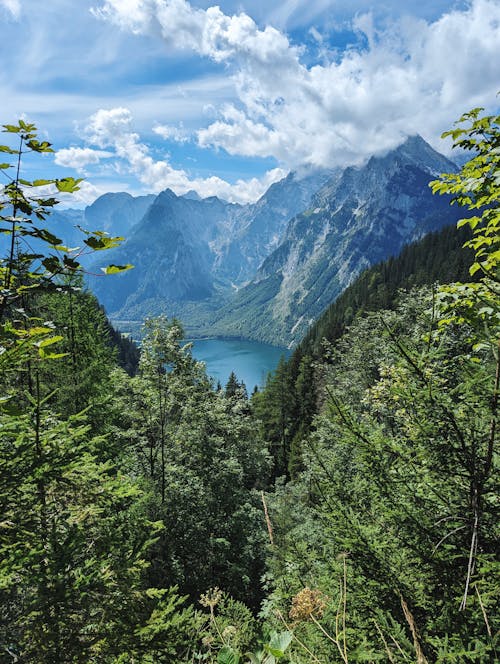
<point>157,518</point>
<point>439,257</point>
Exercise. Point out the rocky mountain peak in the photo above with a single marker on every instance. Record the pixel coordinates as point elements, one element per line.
<point>192,195</point>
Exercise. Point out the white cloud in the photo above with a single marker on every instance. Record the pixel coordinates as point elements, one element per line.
<point>208,32</point>
<point>78,158</point>
<point>86,194</point>
<point>112,129</point>
<point>412,76</point>
<point>12,6</point>
<point>171,133</point>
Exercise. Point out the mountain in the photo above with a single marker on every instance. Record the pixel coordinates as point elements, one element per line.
<point>259,228</point>
<point>359,217</point>
<point>113,213</point>
<point>172,256</point>
<point>438,257</point>
<point>190,254</point>
<point>117,213</point>
<point>267,270</point>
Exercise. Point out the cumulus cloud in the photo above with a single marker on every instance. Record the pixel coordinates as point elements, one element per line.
<point>12,6</point>
<point>112,129</point>
<point>78,158</point>
<point>208,32</point>
<point>411,76</point>
<point>171,133</point>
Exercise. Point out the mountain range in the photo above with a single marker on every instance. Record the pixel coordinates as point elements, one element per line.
<point>266,270</point>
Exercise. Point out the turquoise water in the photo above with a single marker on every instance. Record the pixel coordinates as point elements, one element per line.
<point>251,361</point>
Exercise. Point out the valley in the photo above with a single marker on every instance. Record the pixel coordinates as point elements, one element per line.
<point>265,271</point>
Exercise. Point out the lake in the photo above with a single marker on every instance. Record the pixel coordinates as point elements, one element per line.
<point>251,361</point>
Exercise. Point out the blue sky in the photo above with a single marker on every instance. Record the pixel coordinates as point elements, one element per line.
<point>139,95</point>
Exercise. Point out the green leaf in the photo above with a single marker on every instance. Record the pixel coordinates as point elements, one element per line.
<point>68,185</point>
<point>51,356</point>
<point>228,655</point>
<point>46,236</point>
<point>253,658</point>
<point>9,406</point>
<point>38,146</point>
<point>115,269</point>
<point>11,129</point>
<point>42,183</point>
<point>99,242</point>
<point>278,644</point>
<point>70,262</point>
<point>52,264</point>
<point>49,341</point>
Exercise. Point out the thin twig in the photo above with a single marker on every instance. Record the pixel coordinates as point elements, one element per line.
<point>386,645</point>
<point>452,532</point>
<point>484,613</point>
<point>314,658</point>
<point>405,655</point>
<point>472,553</point>
<point>329,636</point>
<point>345,609</point>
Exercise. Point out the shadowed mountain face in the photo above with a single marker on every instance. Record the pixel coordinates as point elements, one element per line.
<point>117,213</point>
<point>190,253</point>
<point>265,271</point>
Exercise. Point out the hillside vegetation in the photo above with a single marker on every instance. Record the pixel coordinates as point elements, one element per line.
<point>346,513</point>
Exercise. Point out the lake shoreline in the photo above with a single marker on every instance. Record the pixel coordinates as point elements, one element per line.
<point>251,361</point>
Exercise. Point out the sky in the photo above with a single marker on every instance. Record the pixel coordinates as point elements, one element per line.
<point>141,95</point>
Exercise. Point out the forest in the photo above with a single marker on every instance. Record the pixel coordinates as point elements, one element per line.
<point>347,512</point>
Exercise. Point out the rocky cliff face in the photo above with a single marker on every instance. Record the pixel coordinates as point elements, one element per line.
<point>258,229</point>
<point>359,217</point>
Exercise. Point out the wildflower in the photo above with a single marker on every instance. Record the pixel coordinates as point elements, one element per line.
<point>308,604</point>
<point>228,633</point>
<point>211,598</point>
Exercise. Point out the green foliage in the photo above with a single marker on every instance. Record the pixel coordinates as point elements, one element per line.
<point>74,530</point>
<point>391,474</point>
<point>275,408</point>
<point>477,187</point>
<point>400,470</point>
<point>119,493</point>
<point>22,207</point>
<point>204,460</point>
<point>71,554</point>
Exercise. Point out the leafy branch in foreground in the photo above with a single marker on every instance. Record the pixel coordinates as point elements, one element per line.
<point>477,187</point>
<point>23,205</point>
<point>477,305</point>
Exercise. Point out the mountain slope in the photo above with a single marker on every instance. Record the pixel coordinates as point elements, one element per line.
<point>170,249</point>
<point>258,229</point>
<point>190,253</point>
<point>358,218</point>
<point>117,213</point>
